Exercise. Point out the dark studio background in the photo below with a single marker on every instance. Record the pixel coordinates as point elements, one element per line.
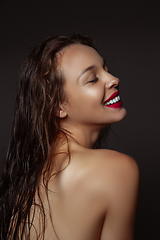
<point>128,36</point>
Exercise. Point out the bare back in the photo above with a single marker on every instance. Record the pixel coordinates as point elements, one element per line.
<point>93,198</point>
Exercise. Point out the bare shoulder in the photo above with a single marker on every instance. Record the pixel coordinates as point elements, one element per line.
<point>98,189</point>
<point>119,162</point>
<point>117,171</point>
<point>108,171</point>
<point>110,164</point>
<point>115,186</point>
<point>115,177</point>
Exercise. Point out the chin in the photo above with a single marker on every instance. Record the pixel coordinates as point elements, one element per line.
<point>121,115</point>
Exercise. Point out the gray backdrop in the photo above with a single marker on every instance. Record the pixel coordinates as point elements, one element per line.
<point>128,36</point>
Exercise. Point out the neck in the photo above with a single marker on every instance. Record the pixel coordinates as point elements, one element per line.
<point>85,136</point>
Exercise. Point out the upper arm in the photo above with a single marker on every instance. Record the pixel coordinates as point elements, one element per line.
<point>120,191</point>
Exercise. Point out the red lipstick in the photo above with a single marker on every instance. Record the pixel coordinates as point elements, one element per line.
<point>113,101</point>
<point>115,105</point>
<point>115,94</point>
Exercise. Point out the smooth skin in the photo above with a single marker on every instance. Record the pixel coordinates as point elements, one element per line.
<point>95,196</point>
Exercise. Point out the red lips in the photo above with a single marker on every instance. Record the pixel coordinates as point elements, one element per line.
<point>114,105</point>
<point>115,94</point>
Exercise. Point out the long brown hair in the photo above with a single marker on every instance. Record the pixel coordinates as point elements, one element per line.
<point>34,132</point>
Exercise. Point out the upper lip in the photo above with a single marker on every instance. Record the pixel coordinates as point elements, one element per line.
<point>115,94</point>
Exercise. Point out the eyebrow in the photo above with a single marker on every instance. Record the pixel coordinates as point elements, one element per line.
<point>90,68</point>
<point>86,70</point>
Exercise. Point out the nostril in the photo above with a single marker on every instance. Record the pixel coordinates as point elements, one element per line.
<point>117,87</point>
<point>113,83</point>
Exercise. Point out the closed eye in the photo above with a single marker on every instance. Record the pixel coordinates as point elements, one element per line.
<point>93,80</point>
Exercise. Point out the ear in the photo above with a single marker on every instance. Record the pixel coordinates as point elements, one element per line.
<point>62,111</point>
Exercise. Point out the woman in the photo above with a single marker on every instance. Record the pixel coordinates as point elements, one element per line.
<point>55,185</point>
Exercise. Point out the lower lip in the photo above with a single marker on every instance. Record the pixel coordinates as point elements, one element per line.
<point>115,105</point>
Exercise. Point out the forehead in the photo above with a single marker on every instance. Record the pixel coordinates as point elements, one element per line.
<point>77,57</point>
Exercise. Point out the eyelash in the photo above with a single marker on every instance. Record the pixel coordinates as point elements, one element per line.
<point>94,80</point>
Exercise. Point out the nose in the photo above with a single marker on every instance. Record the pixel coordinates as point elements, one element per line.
<point>111,81</point>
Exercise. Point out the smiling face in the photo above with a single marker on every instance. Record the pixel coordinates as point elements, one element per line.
<point>92,97</point>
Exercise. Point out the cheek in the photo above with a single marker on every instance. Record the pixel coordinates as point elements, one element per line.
<point>85,97</point>
<point>95,92</point>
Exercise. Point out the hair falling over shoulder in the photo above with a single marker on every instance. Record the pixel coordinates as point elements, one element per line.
<point>34,133</point>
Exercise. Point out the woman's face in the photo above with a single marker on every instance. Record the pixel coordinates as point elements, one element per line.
<point>89,88</point>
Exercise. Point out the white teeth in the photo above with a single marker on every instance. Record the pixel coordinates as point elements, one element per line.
<point>114,100</point>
